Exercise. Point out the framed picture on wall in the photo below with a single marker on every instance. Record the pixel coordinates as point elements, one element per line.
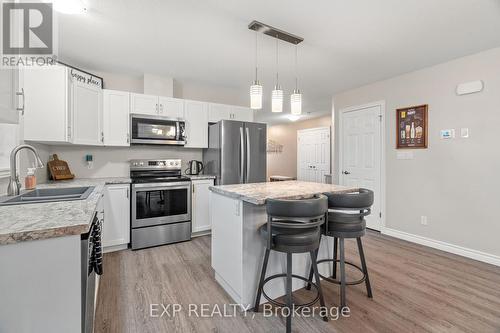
<point>411,127</point>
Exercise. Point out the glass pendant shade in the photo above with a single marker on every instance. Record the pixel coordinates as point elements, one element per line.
<point>277,100</point>
<point>256,96</point>
<point>296,102</point>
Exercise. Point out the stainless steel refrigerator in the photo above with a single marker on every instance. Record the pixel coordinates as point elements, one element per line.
<point>236,152</point>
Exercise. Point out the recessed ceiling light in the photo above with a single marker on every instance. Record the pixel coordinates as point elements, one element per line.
<point>293,117</point>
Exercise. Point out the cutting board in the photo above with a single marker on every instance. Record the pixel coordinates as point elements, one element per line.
<point>59,170</point>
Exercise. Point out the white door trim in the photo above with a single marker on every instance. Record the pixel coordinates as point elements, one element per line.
<point>381,104</point>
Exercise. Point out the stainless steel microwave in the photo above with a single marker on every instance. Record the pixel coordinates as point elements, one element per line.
<point>157,130</point>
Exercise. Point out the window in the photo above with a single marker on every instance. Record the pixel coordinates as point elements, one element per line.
<point>8,140</point>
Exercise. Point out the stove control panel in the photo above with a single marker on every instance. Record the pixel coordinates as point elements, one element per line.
<point>169,164</point>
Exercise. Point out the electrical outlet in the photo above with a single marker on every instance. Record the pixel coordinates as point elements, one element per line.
<point>423,220</point>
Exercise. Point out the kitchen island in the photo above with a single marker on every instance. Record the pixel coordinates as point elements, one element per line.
<point>236,213</point>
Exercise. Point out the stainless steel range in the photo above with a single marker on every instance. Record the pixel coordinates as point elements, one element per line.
<point>161,203</point>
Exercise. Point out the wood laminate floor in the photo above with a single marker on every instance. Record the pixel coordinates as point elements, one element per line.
<point>416,289</point>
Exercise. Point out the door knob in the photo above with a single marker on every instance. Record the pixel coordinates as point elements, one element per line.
<point>346,173</point>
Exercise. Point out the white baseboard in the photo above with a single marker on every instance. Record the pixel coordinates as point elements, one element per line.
<point>443,246</point>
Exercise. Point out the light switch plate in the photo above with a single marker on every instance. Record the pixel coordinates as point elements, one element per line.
<point>404,155</point>
<point>447,134</point>
<point>464,133</point>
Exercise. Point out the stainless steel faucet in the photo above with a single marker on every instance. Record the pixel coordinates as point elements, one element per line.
<point>14,184</point>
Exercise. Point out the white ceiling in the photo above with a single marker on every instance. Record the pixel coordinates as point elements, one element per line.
<point>347,43</point>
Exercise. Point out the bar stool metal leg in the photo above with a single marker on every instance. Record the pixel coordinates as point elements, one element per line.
<point>342,273</point>
<point>335,243</point>
<point>261,282</point>
<point>289,292</point>
<point>314,265</point>
<point>365,268</point>
<point>311,270</point>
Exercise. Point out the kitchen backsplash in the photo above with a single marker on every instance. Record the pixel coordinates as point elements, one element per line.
<point>113,161</point>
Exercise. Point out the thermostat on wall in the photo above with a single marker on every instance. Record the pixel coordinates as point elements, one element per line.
<point>470,87</point>
<point>447,134</point>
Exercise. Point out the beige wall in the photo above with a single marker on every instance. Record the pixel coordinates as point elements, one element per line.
<point>285,163</point>
<point>454,182</point>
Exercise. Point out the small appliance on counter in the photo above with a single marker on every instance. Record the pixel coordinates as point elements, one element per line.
<point>194,168</point>
<point>160,203</point>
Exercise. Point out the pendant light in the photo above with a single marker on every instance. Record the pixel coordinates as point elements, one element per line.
<point>256,88</point>
<point>277,94</point>
<point>296,97</point>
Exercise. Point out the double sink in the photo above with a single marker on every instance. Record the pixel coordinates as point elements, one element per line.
<point>48,195</point>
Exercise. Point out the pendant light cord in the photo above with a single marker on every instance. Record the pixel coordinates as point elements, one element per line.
<point>256,57</point>
<point>277,68</point>
<point>296,67</point>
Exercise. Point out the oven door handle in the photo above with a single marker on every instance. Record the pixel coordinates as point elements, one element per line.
<point>167,186</point>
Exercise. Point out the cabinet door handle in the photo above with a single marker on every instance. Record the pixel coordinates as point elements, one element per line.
<point>102,137</point>
<point>127,193</point>
<point>161,108</point>
<point>24,101</point>
<point>346,173</point>
<point>156,107</point>
<point>128,137</point>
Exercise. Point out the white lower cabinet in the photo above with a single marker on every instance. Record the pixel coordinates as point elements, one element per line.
<point>200,218</point>
<point>116,229</point>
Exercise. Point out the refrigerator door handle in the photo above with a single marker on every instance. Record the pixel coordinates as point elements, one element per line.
<point>248,152</point>
<point>242,156</point>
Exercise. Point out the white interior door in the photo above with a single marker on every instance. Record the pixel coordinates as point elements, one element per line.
<point>313,154</point>
<point>361,155</point>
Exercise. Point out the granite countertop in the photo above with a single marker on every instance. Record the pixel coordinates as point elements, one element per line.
<point>200,177</point>
<point>258,193</point>
<point>19,223</point>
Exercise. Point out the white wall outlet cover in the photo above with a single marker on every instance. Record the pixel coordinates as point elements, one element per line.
<point>464,132</point>
<point>470,87</point>
<point>447,134</point>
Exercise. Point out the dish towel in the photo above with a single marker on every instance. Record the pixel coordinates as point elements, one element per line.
<point>96,256</point>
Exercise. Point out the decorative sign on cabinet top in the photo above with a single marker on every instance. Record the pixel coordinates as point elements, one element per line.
<point>86,78</point>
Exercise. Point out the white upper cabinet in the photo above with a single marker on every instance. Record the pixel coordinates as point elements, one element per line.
<point>144,104</point>
<point>241,113</point>
<point>9,79</point>
<point>87,114</point>
<point>116,110</point>
<point>196,115</point>
<point>171,107</point>
<point>62,105</point>
<point>157,105</point>
<point>217,112</point>
<point>46,113</point>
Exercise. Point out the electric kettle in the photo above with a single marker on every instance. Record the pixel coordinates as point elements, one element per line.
<point>194,167</point>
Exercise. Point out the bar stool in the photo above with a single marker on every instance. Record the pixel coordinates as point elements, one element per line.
<point>293,226</point>
<point>346,219</point>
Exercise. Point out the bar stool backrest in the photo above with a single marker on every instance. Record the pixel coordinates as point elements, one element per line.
<point>349,207</point>
<point>296,214</point>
